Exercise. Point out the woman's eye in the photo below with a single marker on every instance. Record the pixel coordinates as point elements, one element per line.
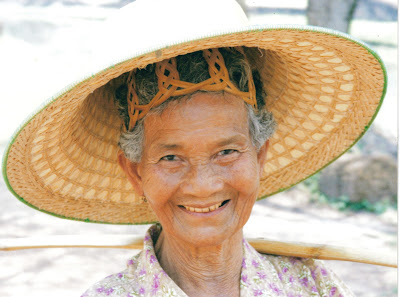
<point>169,158</point>
<point>227,152</point>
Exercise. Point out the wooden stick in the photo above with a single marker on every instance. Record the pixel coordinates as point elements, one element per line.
<point>325,252</point>
<point>284,248</point>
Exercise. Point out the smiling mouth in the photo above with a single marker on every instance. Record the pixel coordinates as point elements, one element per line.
<point>206,209</point>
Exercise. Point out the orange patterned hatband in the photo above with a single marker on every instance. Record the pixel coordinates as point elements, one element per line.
<point>169,85</point>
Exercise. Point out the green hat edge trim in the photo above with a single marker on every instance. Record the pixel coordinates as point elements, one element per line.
<point>259,28</point>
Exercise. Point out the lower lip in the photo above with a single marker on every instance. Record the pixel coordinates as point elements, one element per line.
<point>205,214</point>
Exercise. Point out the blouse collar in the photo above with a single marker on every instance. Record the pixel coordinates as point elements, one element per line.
<point>153,280</point>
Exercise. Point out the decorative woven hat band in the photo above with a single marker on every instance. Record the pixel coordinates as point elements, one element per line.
<point>170,85</point>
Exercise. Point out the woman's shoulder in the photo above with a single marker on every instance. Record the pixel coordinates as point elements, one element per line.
<point>293,263</point>
<point>113,285</point>
<point>308,274</point>
<point>296,265</point>
<point>119,284</point>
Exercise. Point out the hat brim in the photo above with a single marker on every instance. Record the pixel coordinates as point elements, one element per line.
<point>323,87</point>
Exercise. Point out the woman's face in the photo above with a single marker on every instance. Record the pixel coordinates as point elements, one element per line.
<point>199,170</point>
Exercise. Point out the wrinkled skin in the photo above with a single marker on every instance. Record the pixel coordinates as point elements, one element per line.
<point>198,153</point>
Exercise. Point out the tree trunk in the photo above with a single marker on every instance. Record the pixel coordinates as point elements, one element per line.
<point>334,14</point>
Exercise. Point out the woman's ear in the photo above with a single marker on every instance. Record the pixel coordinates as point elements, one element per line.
<point>131,170</point>
<point>262,157</point>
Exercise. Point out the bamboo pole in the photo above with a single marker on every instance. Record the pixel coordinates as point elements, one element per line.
<point>325,252</point>
<point>284,248</point>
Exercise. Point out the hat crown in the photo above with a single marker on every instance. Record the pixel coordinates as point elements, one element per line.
<point>145,25</point>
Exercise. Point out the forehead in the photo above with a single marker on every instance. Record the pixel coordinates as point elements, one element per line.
<point>205,114</point>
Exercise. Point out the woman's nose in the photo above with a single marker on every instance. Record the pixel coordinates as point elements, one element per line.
<point>202,181</point>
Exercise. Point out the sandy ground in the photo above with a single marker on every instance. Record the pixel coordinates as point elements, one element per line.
<point>290,215</point>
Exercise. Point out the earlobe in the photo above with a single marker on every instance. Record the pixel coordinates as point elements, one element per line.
<point>131,172</point>
<point>262,156</point>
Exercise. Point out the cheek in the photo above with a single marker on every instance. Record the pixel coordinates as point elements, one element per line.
<point>245,180</point>
<point>244,175</point>
<point>159,185</point>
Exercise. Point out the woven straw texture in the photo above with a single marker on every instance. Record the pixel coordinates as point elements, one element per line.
<point>323,90</point>
<point>168,84</point>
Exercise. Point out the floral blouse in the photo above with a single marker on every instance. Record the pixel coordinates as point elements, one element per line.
<point>261,275</point>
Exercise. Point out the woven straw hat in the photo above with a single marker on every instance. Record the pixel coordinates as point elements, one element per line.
<point>324,89</point>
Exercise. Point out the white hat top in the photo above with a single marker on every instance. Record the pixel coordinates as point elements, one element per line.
<point>133,30</point>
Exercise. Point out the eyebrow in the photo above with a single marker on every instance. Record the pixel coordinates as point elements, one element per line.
<point>223,142</point>
<point>235,138</point>
<point>167,146</point>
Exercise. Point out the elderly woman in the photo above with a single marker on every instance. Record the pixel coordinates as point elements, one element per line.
<point>195,126</point>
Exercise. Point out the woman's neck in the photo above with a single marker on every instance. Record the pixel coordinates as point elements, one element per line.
<point>204,271</point>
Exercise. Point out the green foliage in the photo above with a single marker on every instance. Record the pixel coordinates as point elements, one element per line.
<point>343,203</point>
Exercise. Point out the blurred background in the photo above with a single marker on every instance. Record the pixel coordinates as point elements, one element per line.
<point>353,202</point>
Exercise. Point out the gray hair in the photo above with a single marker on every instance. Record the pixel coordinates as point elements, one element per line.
<point>193,68</point>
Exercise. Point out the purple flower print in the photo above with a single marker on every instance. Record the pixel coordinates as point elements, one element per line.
<point>120,275</point>
<point>324,272</point>
<point>313,274</point>
<point>274,288</point>
<point>304,281</point>
<point>109,291</point>
<point>142,272</point>
<point>156,284</point>
<point>340,295</point>
<point>261,275</point>
<point>244,263</point>
<point>129,295</point>
<point>141,291</point>
<point>332,291</point>
<point>285,269</point>
<point>100,290</point>
<point>246,244</point>
<point>85,295</point>
<point>255,263</point>
<point>280,276</point>
<point>244,278</point>
<point>152,259</point>
<point>146,238</point>
<point>314,289</point>
<point>291,279</point>
<point>130,262</point>
<point>257,292</point>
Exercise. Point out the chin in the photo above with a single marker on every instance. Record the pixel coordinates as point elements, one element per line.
<point>206,240</point>
<point>203,236</point>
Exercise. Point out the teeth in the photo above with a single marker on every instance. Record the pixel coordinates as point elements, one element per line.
<point>206,209</point>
